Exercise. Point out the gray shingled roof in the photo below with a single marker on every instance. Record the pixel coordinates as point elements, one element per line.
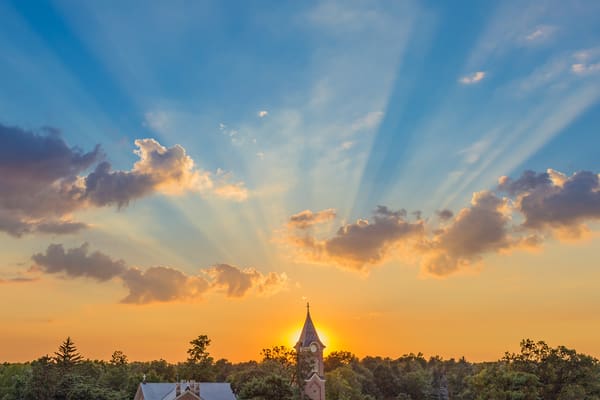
<point>309,333</point>
<point>166,391</point>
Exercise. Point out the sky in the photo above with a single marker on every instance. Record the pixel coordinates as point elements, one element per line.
<point>425,173</point>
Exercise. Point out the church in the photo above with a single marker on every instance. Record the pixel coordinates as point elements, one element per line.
<point>309,346</point>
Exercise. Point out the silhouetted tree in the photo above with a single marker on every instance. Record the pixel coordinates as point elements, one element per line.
<point>67,354</point>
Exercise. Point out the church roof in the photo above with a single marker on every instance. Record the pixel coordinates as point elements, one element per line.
<point>166,391</point>
<point>309,333</point>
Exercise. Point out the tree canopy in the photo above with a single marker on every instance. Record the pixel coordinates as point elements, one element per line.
<point>538,371</point>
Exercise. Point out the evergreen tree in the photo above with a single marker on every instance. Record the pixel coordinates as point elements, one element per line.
<point>67,354</point>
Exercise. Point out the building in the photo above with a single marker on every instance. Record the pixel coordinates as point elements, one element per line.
<point>184,391</point>
<point>310,346</point>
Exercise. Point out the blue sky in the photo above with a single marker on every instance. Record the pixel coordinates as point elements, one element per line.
<point>292,106</point>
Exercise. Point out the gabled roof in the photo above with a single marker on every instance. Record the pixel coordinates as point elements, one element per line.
<point>166,391</point>
<point>309,333</point>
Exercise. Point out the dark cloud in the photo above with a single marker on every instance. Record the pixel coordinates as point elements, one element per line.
<point>529,180</point>
<point>13,225</point>
<point>42,180</point>
<point>105,187</point>
<point>19,279</point>
<point>561,202</point>
<point>307,218</point>
<point>238,282</point>
<point>361,243</point>
<point>444,214</point>
<point>39,175</point>
<point>365,242</point>
<point>482,227</point>
<point>155,284</point>
<point>545,202</point>
<point>161,284</point>
<point>384,211</point>
<point>29,157</point>
<point>158,169</point>
<point>61,227</point>
<point>78,262</point>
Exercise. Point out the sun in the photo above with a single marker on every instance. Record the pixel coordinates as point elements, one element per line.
<point>292,335</point>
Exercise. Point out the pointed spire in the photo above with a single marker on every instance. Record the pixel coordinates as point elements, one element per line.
<point>309,332</point>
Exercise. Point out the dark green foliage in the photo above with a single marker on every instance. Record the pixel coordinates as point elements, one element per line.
<point>275,377</point>
<point>199,365</point>
<point>336,359</point>
<point>537,372</point>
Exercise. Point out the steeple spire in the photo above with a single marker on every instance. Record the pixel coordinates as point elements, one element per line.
<point>309,332</point>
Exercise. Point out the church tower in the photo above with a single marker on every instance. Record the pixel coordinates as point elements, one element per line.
<point>310,346</point>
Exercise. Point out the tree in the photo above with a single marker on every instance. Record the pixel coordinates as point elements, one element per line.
<point>42,381</point>
<point>336,359</point>
<point>344,383</point>
<point>498,381</point>
<point>67,354</point>
<point>562,373</point>
<point>197,354</point>
<point>199,363</point>
<point>118,358</point>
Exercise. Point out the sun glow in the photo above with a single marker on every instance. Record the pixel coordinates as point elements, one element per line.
<point>292,335</point>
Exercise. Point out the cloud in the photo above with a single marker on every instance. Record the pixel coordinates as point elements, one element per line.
<point>154,284</point>
<point>39,177</point>
<point>235,191</point>
<point>347,145</point>
<point>262,113</point>
<point>307,218</point>
<point>358,245</point>
<point>529,180</point>
<point>540,34</point>
<point>367,122</point>
<point>556,201</point>
<point>19,279</point>
<point>584,69</point>
<point>536,205</point>
<point>161,284</point>
<point>43,180</point>
<point>483,227</point>
<point>444,214</point>
<point>236,282</point>
<point>587,62</point>
<point>159,169</point>
<point>78,262</point>
<point>473,78</point>
<point>61,227</point>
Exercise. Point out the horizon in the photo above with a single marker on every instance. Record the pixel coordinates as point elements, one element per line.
<point>426,175</point>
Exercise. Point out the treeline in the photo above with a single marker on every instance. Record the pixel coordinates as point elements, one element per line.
<point>537,372</point>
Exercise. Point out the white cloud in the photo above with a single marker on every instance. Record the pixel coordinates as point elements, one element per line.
<point>347,145</point>
<point>540,34</point>
<point>263,113</point>
<point>475,77</point>
<point>584,69</point>
<point>368,121</point>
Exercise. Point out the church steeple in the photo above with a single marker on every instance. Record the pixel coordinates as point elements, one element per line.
<point>309,332</point>
<point>310,347</point>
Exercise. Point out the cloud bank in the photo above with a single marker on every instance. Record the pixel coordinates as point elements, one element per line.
<point>156,284</point>
<point>520,214</point>
<point>43,180</point>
